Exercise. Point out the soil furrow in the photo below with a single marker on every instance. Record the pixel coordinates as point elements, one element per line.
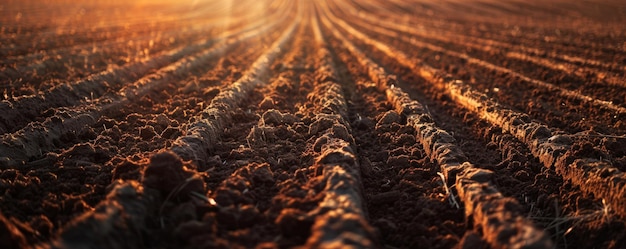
<point>474,185</point>
<point>583,214</point>
<point>553,148</point>
<point>572,65</point>
<point>551,39</point>
<point>396,172</point>
<point>150,123</point>
<point>204,132</point>
<point>482,63</point>
<point>84,60</point>
<point>22,60</point>
<point>214,22</point>
<point>593,132</point>
<point>575,80</point>
<point>300,124</point>
<point>239,184</point>
<point>605,116</point>
<point>340,218</point>
<point>142,24</point>
<point>22,111</point>
<point>37,138</point>
<point>256,155</point>
<point>167,179</point>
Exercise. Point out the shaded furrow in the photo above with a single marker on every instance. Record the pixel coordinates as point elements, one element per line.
<point>567,32</point>
<point>25,109</point>
<point>41,71</point>
<point>203,133</point>
<point>41,54</point>
<point>340,219</point>
<point>33,140</point>
<point>214,22</point>
<point>76,30</point>
<point>572,65</point>
<point>564,44</point>
<point>480,196</point>
<point>113,147</point>
<point>257,154</point>
<point>405,198</point>
<point>552,147</point>
<point>602,115</point>
<point>312,124</point>
<point>471,60</point>
<point>167,179</point>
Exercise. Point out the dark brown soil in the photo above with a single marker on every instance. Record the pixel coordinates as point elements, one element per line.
<point>281,124</point>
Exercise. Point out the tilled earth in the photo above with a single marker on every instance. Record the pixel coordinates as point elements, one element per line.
<point>279,124</point>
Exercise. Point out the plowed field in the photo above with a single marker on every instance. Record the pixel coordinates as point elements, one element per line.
<point>316,124</point>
